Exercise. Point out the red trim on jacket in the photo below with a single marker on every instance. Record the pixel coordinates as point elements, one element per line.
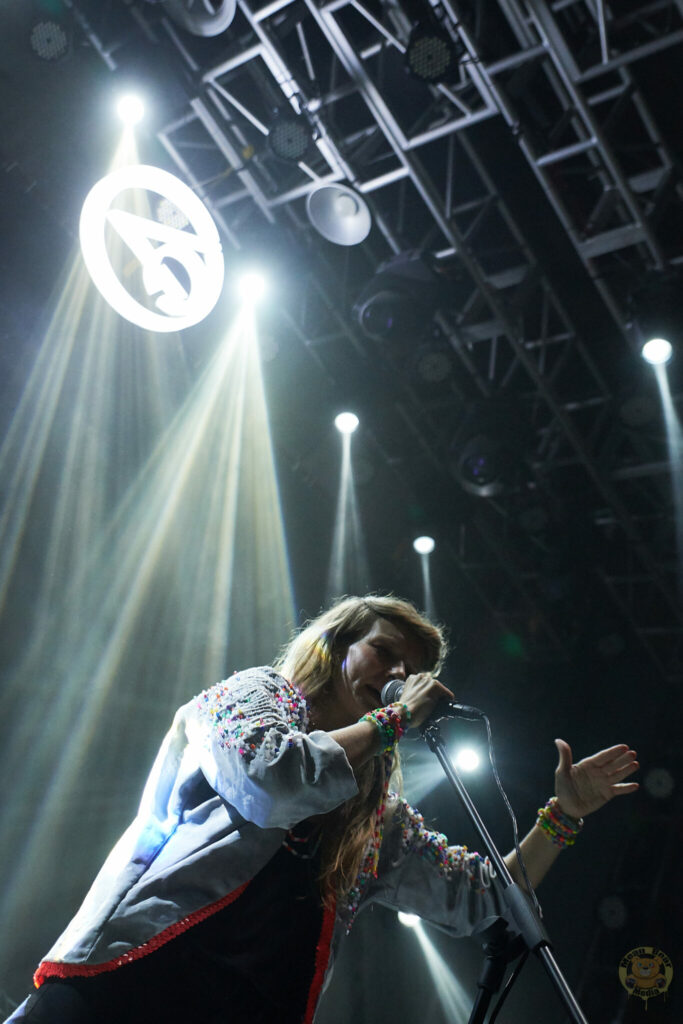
<point>322,956</point>
<point>53,969</point>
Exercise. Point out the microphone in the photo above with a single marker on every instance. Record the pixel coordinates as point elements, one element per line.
<point>392,691</point>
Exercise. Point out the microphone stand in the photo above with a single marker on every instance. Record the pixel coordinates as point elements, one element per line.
<point>520,908</point>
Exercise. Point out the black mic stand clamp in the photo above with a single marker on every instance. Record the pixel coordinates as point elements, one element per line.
<point>520,911</point>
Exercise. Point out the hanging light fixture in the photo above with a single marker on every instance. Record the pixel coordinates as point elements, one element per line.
<point>400,298</point>
<point>290,137</point>
<point>488,452</point>
<point>339,214</point>
<point>50,40</point>
<point>201,17</point>
<point>431,54</point>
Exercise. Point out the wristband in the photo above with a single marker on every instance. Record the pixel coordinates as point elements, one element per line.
<point>558,827</point>
<point>391,722</point>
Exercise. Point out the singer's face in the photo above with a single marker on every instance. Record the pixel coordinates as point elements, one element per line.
<point>383,653</point>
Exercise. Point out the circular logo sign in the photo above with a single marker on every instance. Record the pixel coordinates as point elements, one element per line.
<point>179,270</point>
<point>646,972</point>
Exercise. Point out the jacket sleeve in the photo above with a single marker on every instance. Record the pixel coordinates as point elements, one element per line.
<point>420,873</point>
<point>249,734</point>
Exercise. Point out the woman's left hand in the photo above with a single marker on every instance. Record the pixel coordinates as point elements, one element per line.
<point>586,786</point>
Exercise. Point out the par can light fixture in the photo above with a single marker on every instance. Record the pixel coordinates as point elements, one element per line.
<point>50,40</point>
<point>290,137</point>
<point>431,55</point>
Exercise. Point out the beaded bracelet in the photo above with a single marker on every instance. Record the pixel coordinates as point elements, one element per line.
<point>391,722</point>
<point>559,827</point>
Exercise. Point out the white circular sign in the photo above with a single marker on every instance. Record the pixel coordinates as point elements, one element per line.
<point>179,304</point>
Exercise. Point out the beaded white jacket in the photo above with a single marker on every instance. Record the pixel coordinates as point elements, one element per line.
<point>237,769</point>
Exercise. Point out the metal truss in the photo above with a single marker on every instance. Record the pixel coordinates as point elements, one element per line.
<point>560,76</point>
<point>593,125</point>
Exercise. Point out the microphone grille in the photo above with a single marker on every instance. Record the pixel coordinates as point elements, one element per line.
<point>392,691</point>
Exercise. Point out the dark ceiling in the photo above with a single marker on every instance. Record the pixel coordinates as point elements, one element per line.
<point>530,205</point>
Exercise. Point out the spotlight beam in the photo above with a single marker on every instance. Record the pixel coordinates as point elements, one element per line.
<point>348,569</point>
<point>160,489</point>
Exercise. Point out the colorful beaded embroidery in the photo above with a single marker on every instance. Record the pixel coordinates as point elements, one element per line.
<point>370,863</point>
<point>558,827</point>
<point>391,722</point>
<point>255,712</point>
<point>416,838</point>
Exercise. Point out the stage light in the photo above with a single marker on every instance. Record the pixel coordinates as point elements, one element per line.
<point>290,137</point>
<point>659,783</point>
<point>252,286</point>
<point>339,214</point>
<point>385,314</point>
<point>209,18</point>
<point>170,215</point>
<point>467,759</point>
<point>654,313</point>
<point>400,298</point>
<point>424,545</point>
<point>483,466</point>
<point>409,920</point>
<point>657,351</point>
<point>433,363</point>
<point>49,40</point>
<point>346,422</point>
<point>612,912</point>
<point>431,54</point>
<point>130,109</point>
<point>488,451</point>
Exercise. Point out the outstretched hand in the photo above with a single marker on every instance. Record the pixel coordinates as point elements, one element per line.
<point>589,784</point>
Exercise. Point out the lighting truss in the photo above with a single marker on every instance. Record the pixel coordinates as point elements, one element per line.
<point>562,81</point>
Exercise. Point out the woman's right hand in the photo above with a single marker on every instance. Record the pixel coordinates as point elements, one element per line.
<point>421,693</point>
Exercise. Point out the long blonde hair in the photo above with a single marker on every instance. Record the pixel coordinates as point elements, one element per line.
<point>313,661</point>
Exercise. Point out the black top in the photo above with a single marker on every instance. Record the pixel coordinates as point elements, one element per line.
<point>251,962</point>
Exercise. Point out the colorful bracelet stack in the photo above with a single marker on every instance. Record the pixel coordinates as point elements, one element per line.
<point>391,721</point>
<point>560,828</point>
